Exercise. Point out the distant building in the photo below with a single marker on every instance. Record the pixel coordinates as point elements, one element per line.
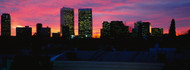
<point>157,32</point>
<point>46,32</point>
<point>85,22</point>
<point>141,29</point>
<point>118,29</point>
<point>43,32</point>
<point>56,35</point>
<point>189,32</point>
<point>105,31</point>
<point>5,25</point>
<point>67,21</point>
<point>39,29</point>
<point>172,32</point>
<point>24,32</point>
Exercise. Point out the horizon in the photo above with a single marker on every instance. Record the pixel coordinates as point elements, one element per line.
<point>31,12</point>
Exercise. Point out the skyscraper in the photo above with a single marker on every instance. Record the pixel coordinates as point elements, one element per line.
<point>24,32</point>
<point>5,25</point>
<point>172,32</point>
<point>85,22</point>
<point>67,20</point>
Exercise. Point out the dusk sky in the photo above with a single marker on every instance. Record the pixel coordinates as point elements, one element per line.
<point>158,12</point>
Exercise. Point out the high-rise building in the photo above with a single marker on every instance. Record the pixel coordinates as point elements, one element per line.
<point>141,29</point>
<point>157,32</point>
<point>24,31</point>
<point>172,32</point>
<point>5,25</point>
<point>85,22</point>
<point>105,31</point>
<point>67,20</point>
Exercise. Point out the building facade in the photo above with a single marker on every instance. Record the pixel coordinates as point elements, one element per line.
<point>85,22</point>
<point>67,20</point>
<point>5,25</point>
<point>141,29</point>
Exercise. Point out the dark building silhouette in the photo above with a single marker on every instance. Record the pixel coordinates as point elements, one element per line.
<point>157,32</point>
<point>85,22</point>
<point>5,25</point>
<point>118,29</point>
<point>24,32</point>
<point>46,32</point>
<point>141,29</point>
<point>43,32</point>
<point>65,30</point>
<point>67,21</point>
<point>105,31</point>
<point>172,32</point>
<point>56,35</point>
<point>39,28</point>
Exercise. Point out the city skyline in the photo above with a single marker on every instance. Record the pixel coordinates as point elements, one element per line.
<point>128,11</point>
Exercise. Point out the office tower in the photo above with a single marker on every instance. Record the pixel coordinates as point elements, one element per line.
<point>85,22</point>
<point>172,32</point>
<point>118,29</point>
<point>24,32</point>
<point>105,31</point>
<point>67,21</point>
<point>39,28</point>
<point>46,32</point>
<point>157,32</point>
<point>56,35</point>
<point>5,25</point>
<point>141,29</point>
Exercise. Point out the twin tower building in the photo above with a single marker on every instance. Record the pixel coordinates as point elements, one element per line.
<point>84,22</point>
<point>67,23</point>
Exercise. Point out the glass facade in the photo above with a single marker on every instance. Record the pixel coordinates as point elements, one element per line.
<point>5,25</point>
<point>85,23</point>
<point>67,20</point>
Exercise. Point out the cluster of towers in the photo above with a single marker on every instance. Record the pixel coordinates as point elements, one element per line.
<point>66,25</point>
<point>84,22</point>
<point>116,29</point>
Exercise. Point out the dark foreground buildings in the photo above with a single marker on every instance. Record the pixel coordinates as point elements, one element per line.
<point>5,25</point>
